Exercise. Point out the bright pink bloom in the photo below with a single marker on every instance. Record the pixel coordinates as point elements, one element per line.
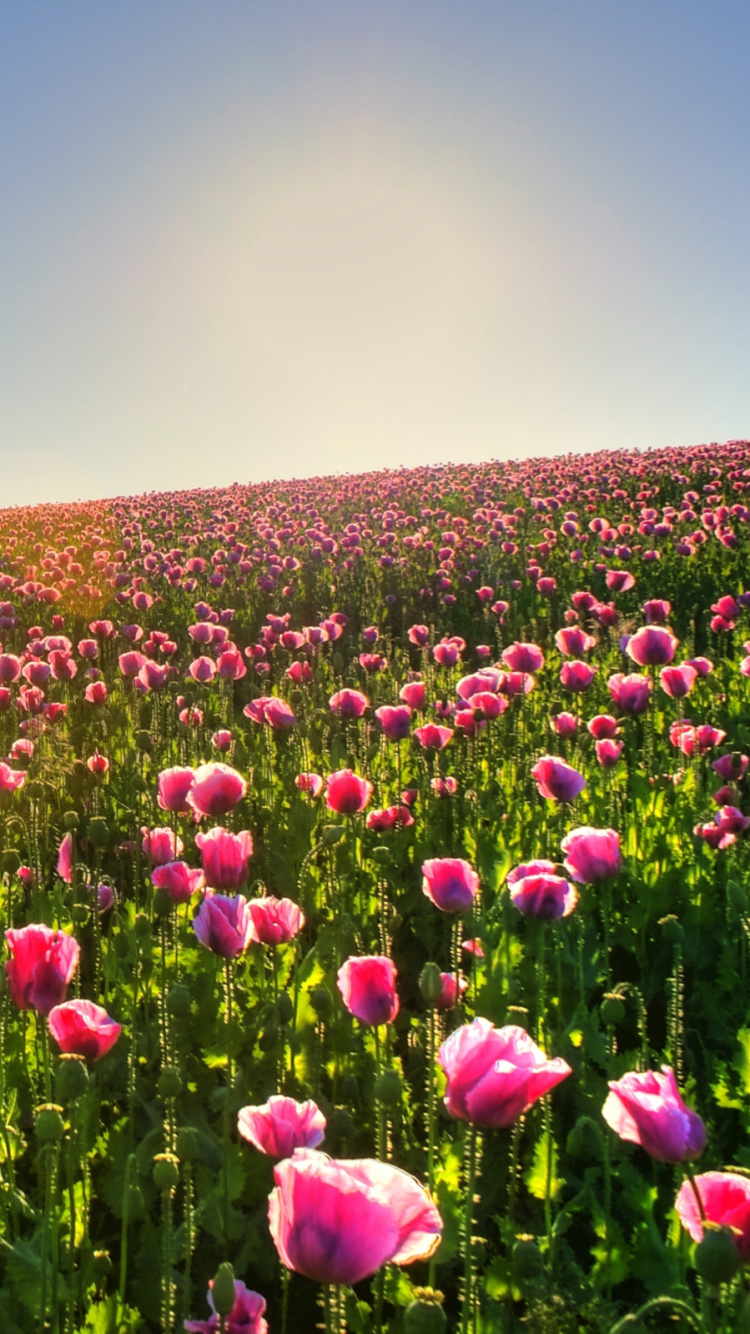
<point>64,667</point>
<point>275,921</point>
<point>279,715</point>
<point>161,845</point>
<point>41,965</point>
<point>527,658</point>
<point>564,724</point>
<point>225,857</point>
<point>447,998</point>
<point>678,681</point>
<point>394,720</point>
<point>516,683</point>
<point>222,740</point>
<point>96,693</point>
<point>152,676</point>
<point>10,668</point>
<point>484,680</point>
<point>444,787</point>
<point>576,675</point>
<point>338,1222</point>
<point>349,703</point>
<point>245,1317</point>
<point>203,670</point>
<point>84,1029</point>
<point>173,787</point>
<point>592,854</point>
<point>487,705</point>
<point>37,673</point>
<point>347,793</point>
<point>131,662</point>
<point>731,767</point>
<point>178,880</point>
<point>656,611</point>
<point>652,646</point>
<point>418,635</point>
<point>731,820</point>
<point>229,665</point>
<point>433,737</point>
<point>646,1108</point>
<point>217,788</point>
<point>88,648</point>
<point>381,821</point>
<point>630,693</point>
<point>619,581</point>
<point>65,858</point>
<point>573,641</point>
<point>703,666</point>
<point>11,780</point>
<point>495,1075</point>
<point>726,1203</point>
<point>310,783</point>
<point>556,780</point>
<point>368,987</point>
<point>603,726</point>
<point>413,694</point>
<point>546,896</point>
<point>608,752</point>
<point>706,737</point>
<point>282,1125</point>
<point>224,925</point>
<point>446,653</point>
<point>450,883</point>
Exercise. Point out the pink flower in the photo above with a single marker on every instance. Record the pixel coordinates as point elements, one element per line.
<point>413,694</point>
<point>630,693</point>
<point>224,857</point>
<point>603,726</point>
<point>65,859</point>
<point>349,703</point>
<point>576,675</point>
<point>279,715</point>
<point>564,724</point>
<point>203,670</point>
<point>381,821</point>
<point>368,987</point>
<point>151,676</point>
<point>173,787</point>
<point>646,1108</point>
<point>338,1222</point>
<point>10,668</point>
<point>446,653</point>
<point>216,789</point>
<point>447,998</point>
<point>245,1317</point>
<point>282,1125</point>
<point>450,883</point>
<point>433,737</point>
<point>42,964</point>
<point>678,681</point>
<point>222,740</point>
<point>608,752</point>
<point>275,921</point>
<point>527,658</point>
<point>224,925</point>
<point>652,646</point>
<point>96,693</point>
<point>573,641</point>
<point>726,1203</point>
<point>178,880</point>
<point>703,666</point>
<point>556,780</point>
<point>394,720</point>
<point>310,783</point>
<point>347,793</point>
<point>516,683</point>
<point>495,1075</point>
<point>161,845</point>
<point>592,854</point>
<point>84,1029</point>
<point>418,635</point>
<point>11,780</point>
<point>229,665</point>
<point>444,787</point>
<point>731,767</point>
<point>545,896</point>
<point>619,581</point>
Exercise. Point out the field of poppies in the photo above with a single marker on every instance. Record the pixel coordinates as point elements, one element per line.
<point>376,904</point>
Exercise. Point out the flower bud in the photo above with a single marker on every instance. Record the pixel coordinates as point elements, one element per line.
<point>98,832</point>
<point>431,983</point>
<point>612,1009</point>
<point>285,1008</point>
<point>320,999</point>
<point>10,862</point>
<point>188,1145</point>
<point>170,1082</point>
<point>223,1293</point>
<point>584,1141</point>
<point>333,833</point>
<point>102,1263</point>
<point>388,1088</point>
<point>672,930</point>
<point>178,999</point>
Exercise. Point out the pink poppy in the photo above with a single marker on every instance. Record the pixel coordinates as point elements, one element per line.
<point>82,1028</point>
<point>646,1108</point>
<point>216,789</point>
<point>41,965</point>
<point>282,1125</point>
<point>495,1075</point>
<point>275,921</point>
<point>556,780</point>
<point>368,988</point>
<point>450,883</point>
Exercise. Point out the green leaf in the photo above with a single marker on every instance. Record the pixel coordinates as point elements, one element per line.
<point>541,1177</point>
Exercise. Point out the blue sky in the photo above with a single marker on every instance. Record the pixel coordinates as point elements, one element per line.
<point>244,241</point>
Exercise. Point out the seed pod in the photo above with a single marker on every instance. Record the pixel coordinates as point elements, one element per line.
<point>716,1256</point>
<point>320,999</point>
<point>188,1145</point>
<point>425,1315</point>
<point>333,833</point>
<point>102,1263</point>
<point>527,1259</point>
<point>11,862</point>
<point>672,930</point>
<point>285,1008</point>
<point>48,1123</point>
<point>98,832</point>
<point>170,1082</point>
<point>166,1171</point>
<point>612,1010</point>
<point>70,820</point>
<point>178,999</point>
<point>71,1078</point>
<point>388,1088</point>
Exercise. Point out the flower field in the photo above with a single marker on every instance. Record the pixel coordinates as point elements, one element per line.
<point>376,903</point>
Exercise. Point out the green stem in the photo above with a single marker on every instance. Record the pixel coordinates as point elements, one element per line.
<point>467,1314</point>
<point>694,1184</point>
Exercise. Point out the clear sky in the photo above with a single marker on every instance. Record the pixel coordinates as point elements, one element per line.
<point>250,240</point>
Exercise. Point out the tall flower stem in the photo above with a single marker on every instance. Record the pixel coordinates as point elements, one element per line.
<point>467,1314</point>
